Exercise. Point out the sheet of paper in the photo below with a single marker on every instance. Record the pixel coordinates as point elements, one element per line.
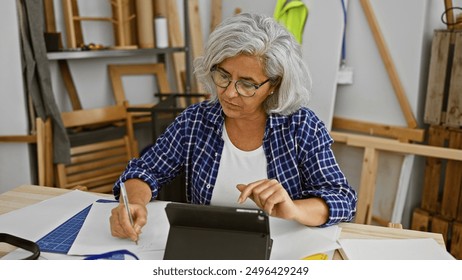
<point>95,235</point>
<point>394,249</point>
<point>35,221</point>
<point>292,240</point>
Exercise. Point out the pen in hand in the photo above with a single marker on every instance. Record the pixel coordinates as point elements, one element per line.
<point>123,192</point>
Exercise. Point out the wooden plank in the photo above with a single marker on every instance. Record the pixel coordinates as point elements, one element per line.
<point>49,162</point>
<point>454,105</point>
<point>18,139</point>
<point>196,38</point>
<point>49,10</point>
<point>441,225</point>
<point>69,84</point>
<point>118,25</point>
<point>197,44</point>
<point>40,151</point>
<point>402,133</point>
<point>69,24</point>
<point>352,230</point>
<point>433,167</point>
<point>367,186</point>
<point>421,220</point>
<point>389,65</point>
<point>78,34</point>
<point>176,39</point>
<point>390,145</point>
<point>216,14</point>
<point>449,14</point>
<point>453,179</point>
<point>459,207</point>
<point>456,241</point>
<point>437,77</point>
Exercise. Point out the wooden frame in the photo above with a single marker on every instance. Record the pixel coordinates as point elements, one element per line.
<point>372,146</point>
<point>116,71</point>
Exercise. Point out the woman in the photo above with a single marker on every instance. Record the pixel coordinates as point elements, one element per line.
<point>254,144</point>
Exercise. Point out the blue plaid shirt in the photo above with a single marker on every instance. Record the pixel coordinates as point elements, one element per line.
<point>297,149</point>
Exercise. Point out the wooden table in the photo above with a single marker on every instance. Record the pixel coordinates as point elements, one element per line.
<point>25,195</point>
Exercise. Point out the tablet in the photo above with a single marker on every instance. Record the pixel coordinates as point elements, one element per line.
<point>201,232</point>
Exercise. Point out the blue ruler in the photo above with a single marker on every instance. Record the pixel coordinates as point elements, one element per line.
<point>60,239</point>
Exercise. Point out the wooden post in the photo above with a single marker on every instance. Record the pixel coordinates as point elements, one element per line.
<point>367,186</point>
<point>216,14</point>
<point>49,10</point>
<point>176,39</point>
<point>456,240</point>
<point>454,108</point>
<point>453,179</point>
<point>433,168</point>
<point>437,77</point>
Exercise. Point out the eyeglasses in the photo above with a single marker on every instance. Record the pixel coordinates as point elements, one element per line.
<point>244,88</point>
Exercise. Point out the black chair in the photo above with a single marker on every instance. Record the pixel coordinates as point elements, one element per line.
<point>162,114</point>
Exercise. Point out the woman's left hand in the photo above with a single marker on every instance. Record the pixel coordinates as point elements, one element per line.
<point>270,196</point>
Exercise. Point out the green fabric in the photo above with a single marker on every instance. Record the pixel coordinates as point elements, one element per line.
<point>292,14</point>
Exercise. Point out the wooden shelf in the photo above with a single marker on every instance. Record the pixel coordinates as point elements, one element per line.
<point>66,55</point>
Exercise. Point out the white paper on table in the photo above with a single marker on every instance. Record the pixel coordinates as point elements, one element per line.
<point>95,235</point>
<point>394,249</point>
<point>35,221</point>
<point>292,240</point>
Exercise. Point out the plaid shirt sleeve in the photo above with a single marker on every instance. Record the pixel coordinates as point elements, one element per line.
<point>320,174</point>
<point>299,154</point>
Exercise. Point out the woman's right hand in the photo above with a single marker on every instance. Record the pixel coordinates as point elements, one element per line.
<point>139,194</point>
<point>120,222</point>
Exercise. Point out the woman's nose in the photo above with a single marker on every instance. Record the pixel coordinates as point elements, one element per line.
<point>231,91</point>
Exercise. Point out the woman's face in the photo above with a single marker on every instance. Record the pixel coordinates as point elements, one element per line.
<point>246,68</point>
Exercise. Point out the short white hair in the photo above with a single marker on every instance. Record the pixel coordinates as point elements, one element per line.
<point>274,45</point>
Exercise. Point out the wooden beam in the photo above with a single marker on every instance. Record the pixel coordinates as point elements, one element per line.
<point>454,107</point>
<point>390,145</point>
<point>69,24</point>
<point>176,39</point>
<point>216,14</point>
<point>197,44</point>
<point>389,65</point>
<point>403,134</point>
<point>437,136</point>
<point>18,139</point>
<point>367,186</point>
<point>49,10</point>
<point>449,14</point>
<point>437,77</point>
<point>69,84</point>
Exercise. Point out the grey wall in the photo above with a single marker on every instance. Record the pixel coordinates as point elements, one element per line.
<point>14,157</point>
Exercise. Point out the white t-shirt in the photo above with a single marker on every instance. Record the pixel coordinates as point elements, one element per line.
<point>237,167</point>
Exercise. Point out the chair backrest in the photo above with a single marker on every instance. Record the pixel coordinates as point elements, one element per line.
<point>96,164</point>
